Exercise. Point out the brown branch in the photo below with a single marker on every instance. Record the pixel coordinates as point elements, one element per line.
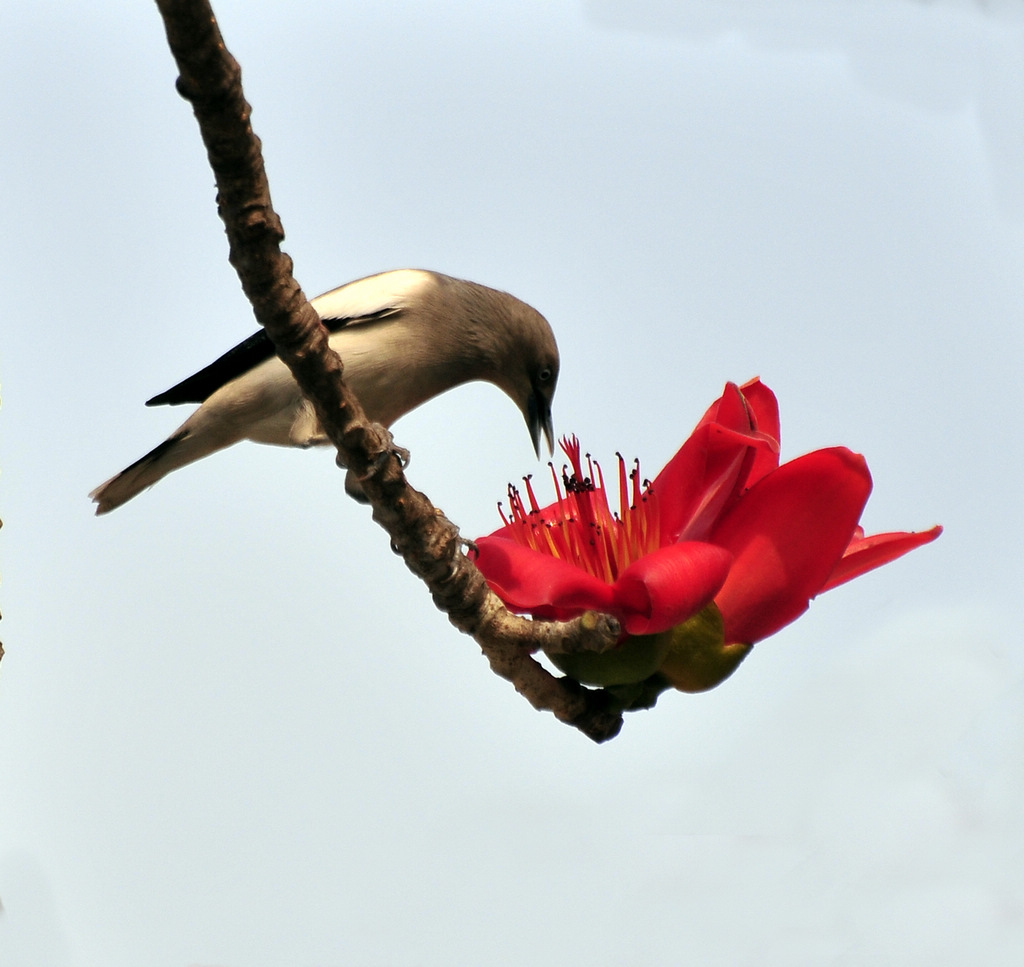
<point>210,79</point>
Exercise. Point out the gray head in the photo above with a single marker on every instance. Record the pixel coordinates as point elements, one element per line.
<point>513,347</point>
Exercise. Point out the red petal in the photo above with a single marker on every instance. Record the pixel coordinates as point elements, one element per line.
<point>787,535</point>
<point>670,585</point>
<point>763,405</point>
<point>653,594</point>
<point>697,481</point>
<point>709,468</point>
<point>538,584</point>
<point>764,408</point>
<point>723,404</point>
<point>866,553</point>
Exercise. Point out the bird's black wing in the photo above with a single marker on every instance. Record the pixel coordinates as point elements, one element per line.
<point>235,362</point>
<point>253,351</point>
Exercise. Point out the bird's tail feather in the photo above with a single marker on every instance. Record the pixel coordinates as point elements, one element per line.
<point>145,472</point>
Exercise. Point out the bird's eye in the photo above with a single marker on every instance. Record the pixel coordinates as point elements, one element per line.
<point>544,375</point>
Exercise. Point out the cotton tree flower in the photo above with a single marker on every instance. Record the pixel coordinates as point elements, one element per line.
<point>723,549</point>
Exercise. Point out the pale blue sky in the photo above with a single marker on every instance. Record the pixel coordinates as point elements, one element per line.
<point>234,729</point>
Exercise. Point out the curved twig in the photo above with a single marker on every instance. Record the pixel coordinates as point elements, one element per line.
<point>210,79</point>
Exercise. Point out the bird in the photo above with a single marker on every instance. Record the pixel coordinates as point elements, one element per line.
<point>404,336</point>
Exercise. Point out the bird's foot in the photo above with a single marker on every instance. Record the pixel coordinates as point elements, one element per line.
<point>386,448</point>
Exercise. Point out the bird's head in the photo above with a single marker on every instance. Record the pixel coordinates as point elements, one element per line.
<point>506,342</point>
<point>538,405</point>
<point>529,370</point>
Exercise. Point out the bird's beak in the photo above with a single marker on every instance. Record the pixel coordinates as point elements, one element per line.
<point>538,418</point>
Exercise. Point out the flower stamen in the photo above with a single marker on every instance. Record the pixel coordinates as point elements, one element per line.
<point>580,527</point>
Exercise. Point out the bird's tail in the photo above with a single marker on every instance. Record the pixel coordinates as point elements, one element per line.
<point>173,453</point>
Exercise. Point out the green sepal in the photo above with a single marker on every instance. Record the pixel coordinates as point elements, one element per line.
<point>692,657</point>
<point>698,657</point>
<point>629,662</point>
<point>640,695</point>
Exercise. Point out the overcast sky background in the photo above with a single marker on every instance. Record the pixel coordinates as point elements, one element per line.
<point>234,730</point>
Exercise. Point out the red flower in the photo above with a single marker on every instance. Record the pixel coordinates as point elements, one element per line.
<point>723,549</point>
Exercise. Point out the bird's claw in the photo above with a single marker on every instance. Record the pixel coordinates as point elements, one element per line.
<point>388,449</point>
